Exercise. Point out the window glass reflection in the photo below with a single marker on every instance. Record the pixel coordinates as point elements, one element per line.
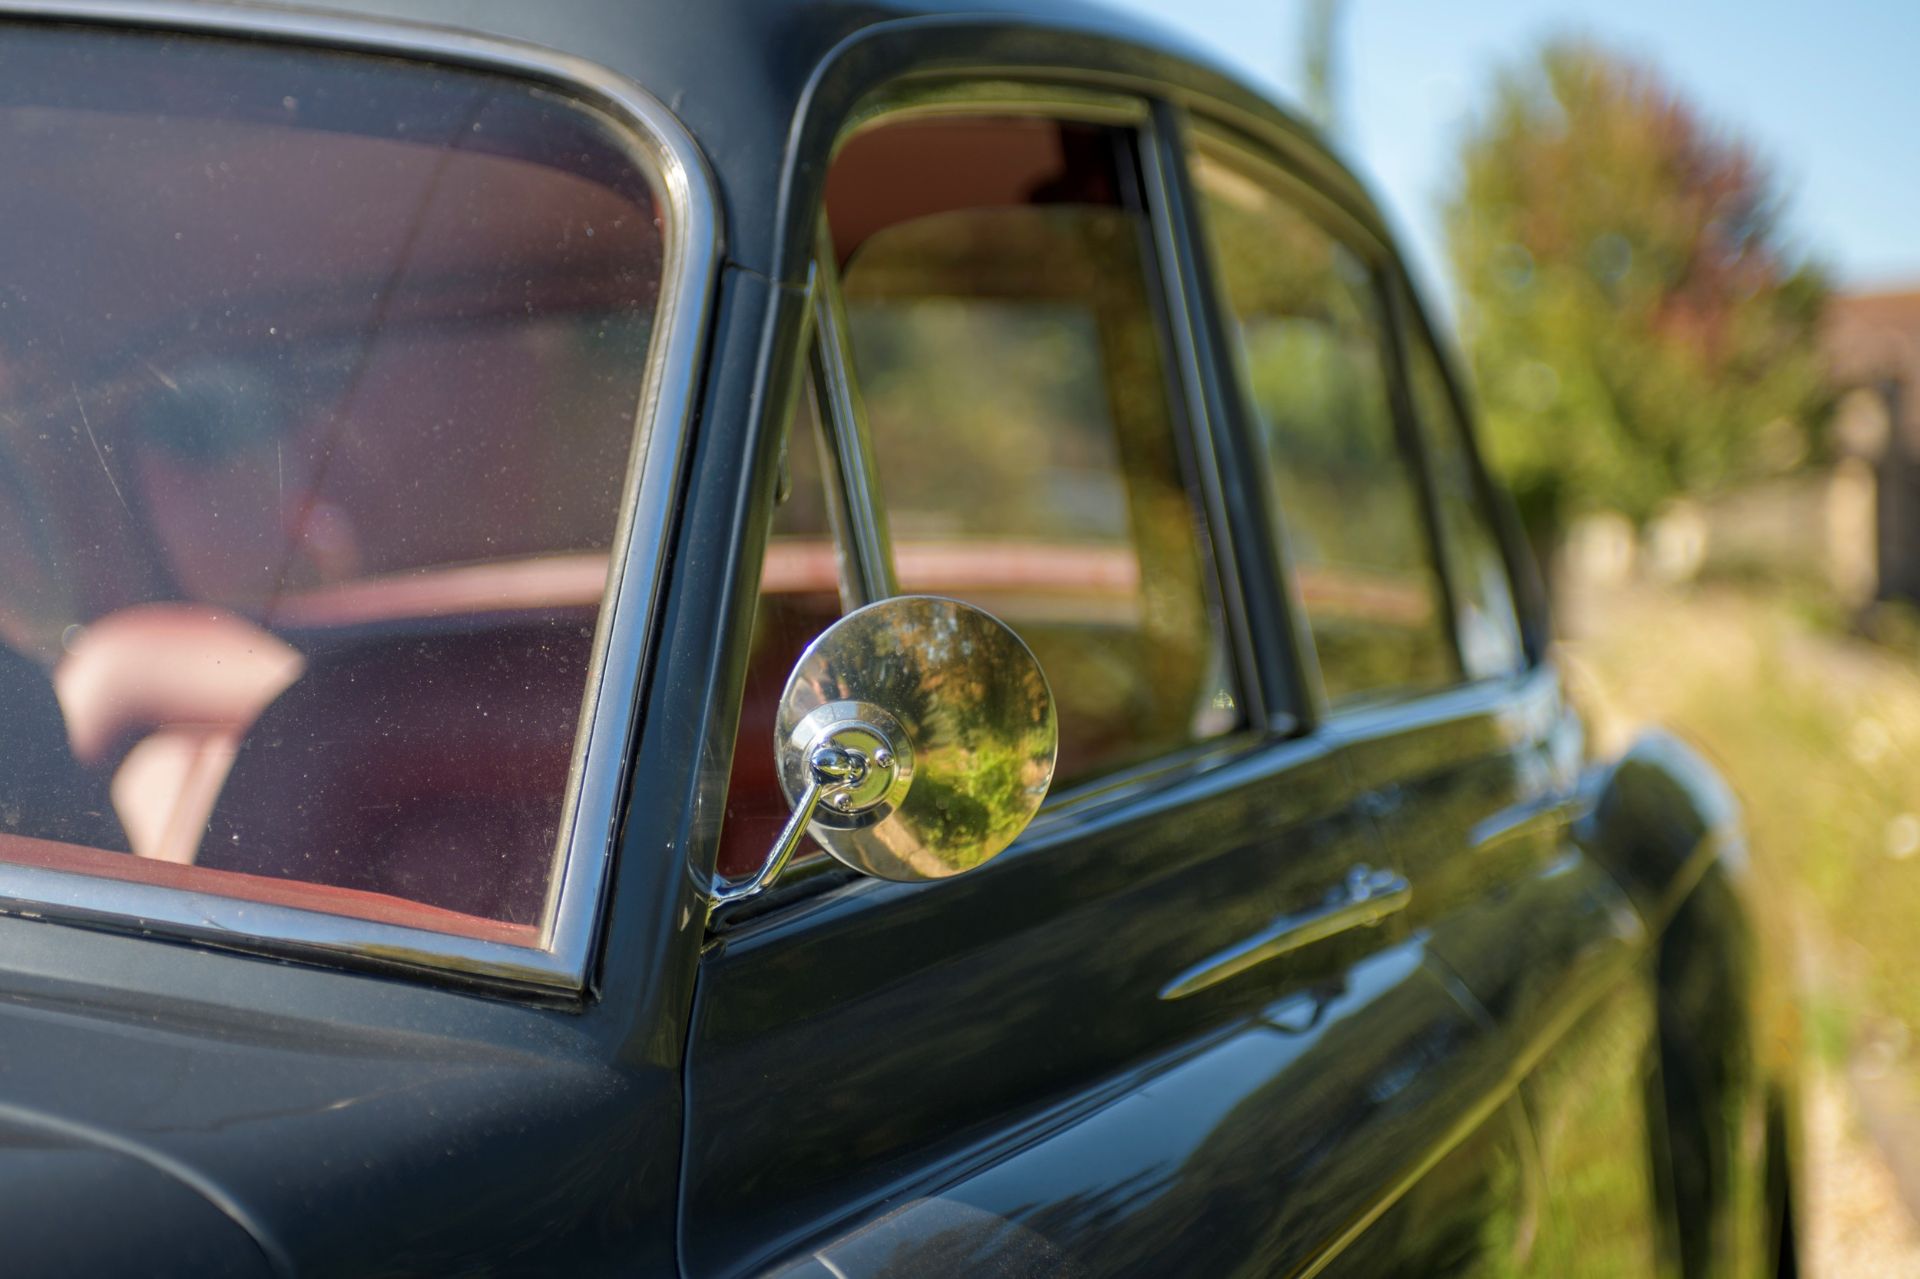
<point>1310,344</point>
<point>1489,625</point>
<point>1011,365</point>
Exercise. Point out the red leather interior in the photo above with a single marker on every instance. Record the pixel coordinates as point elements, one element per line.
<point>304,518</point>
<point>429,766</point>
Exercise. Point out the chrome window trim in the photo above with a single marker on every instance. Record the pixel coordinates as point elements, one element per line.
<point>559,963</point>
<point>861,530</point>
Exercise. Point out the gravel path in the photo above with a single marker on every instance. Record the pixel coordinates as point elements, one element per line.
<point>1857,1227</point>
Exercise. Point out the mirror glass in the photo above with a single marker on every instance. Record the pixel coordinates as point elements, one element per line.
<point>959,711</point>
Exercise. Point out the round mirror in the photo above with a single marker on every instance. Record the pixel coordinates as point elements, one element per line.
<point>924,729</point>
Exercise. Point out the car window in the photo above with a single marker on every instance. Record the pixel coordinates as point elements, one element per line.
<point>1487,622</point>
<point>999,299</point>
<point>1306,312</point>
<point>318,383</point>
<point>799,597</point>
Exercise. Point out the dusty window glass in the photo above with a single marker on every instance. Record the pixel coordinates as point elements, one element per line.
<point>318,384</point>
<point>996,278</point>
<point>1487,622</point>
<point>1310,345</point>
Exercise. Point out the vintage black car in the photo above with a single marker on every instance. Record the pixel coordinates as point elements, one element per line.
<point>543,548</point>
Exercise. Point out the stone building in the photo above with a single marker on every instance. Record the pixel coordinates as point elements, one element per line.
<point>1873,341</point>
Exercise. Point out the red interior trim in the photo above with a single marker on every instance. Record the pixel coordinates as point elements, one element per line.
<point>546,581</point>
<point>351,902</point>
<point>983,564</point>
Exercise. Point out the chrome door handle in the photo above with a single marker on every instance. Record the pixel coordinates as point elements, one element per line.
<point>1363,899</point>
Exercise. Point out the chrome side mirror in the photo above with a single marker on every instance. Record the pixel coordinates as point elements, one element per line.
<point>915,740</point>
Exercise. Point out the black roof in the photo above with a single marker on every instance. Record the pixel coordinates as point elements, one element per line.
<point>763,85</point>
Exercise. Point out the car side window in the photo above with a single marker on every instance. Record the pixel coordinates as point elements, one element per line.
<point>1306,310</point>
<point>1000,302</point>
<point>1485,617</point>
<point>319,377</point>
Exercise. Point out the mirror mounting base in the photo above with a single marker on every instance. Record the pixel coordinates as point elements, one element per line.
<point>854,770</point>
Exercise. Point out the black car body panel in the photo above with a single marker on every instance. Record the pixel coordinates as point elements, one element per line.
<point>858,1077</point>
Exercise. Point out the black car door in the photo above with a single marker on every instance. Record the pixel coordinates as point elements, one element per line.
<point>1174,1029</point>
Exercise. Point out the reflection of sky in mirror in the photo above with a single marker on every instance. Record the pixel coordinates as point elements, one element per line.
<point>1827,91</point>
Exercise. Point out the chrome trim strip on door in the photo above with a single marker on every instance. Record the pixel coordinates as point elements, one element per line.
<point>558,963</point>
<point>1366,898</point>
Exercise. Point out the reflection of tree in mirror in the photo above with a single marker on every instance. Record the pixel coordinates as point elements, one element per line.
<point>976,709</point>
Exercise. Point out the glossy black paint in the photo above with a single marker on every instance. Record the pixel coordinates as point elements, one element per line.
<point>980,1072</point>
<point>1480,802</point>
<point>1008,998</point>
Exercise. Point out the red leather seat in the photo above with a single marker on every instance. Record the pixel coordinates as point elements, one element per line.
<point>427,765</point>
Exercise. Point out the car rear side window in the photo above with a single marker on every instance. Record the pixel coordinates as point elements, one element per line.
<point>1488,624</point>
<point>1307,313</point>
<point>318,383</point>
<point>998,282</point>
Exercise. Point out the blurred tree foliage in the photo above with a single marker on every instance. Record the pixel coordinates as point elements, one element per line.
<point>1633,312</point>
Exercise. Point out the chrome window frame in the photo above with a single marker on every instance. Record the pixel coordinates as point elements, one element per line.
<point>558,963</point>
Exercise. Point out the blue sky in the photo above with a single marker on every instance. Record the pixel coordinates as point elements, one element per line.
<point>1828,91</point>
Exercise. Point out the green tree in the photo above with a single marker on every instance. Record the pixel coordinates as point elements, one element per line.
<point>1634,313</point>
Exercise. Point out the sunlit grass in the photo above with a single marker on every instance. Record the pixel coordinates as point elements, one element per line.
<point>1819,733</point>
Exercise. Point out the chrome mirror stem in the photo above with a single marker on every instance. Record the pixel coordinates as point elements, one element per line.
<point>783,848</point>
<point>837,778</point>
